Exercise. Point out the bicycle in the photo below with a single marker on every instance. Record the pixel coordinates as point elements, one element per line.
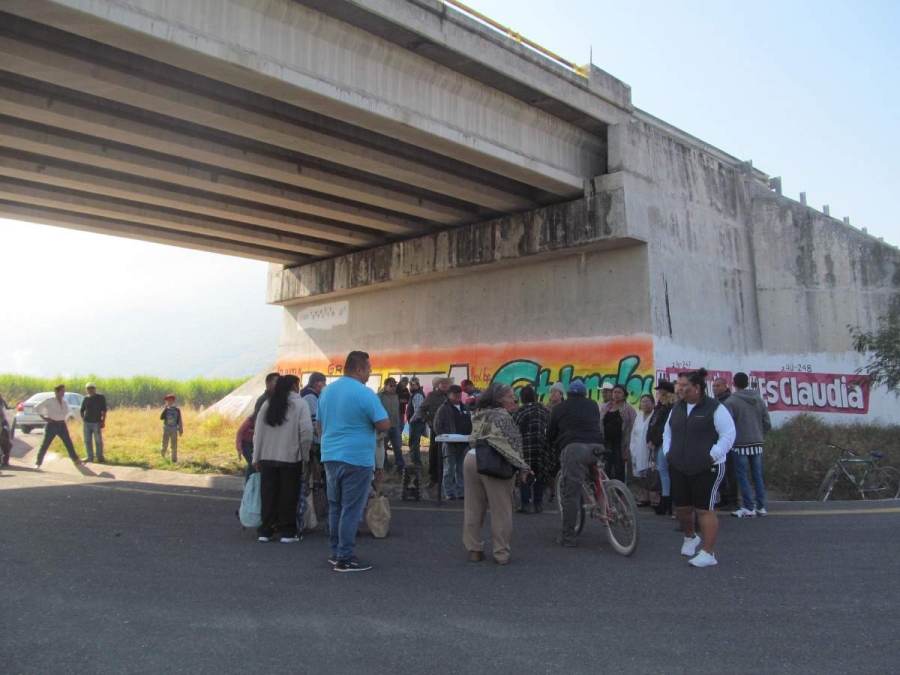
<point>611,504</point>
<point>877,482</point>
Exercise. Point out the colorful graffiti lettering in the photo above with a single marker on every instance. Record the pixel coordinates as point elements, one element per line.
<point>626,361</point>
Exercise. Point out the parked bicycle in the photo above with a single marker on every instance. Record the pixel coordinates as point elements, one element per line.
<point>611,504</point>
<point>876,482</point>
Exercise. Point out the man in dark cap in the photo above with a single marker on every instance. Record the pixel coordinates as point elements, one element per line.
<point>310,393</point>
<point>575,432</point>
<point>665,399</point>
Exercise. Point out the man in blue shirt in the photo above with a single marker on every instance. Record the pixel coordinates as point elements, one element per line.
<point>348,416</point>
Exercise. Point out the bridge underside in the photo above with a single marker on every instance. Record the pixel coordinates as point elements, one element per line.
<point>125,141</point>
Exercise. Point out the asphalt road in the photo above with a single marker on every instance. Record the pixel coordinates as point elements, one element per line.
<point>110,577</point>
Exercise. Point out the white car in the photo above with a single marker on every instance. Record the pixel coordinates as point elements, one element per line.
<point>27,419</point>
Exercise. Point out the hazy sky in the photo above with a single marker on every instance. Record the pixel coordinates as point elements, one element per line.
<point>807,90</point>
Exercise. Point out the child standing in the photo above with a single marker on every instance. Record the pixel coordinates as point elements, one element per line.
<point>172,427</point>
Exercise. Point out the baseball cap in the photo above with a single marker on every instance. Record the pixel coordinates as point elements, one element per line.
<point>169,397</point>
<point>90,385</point>
<point>414,380</point>
<point>577,387</point>
<point>404,380</point>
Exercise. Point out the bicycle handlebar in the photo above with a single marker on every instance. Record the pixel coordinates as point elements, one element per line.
<point>843,450</point>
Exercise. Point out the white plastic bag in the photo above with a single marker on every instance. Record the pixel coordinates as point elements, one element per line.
<point>250,512</point>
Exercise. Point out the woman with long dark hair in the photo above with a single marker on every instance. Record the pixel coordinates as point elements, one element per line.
<point>281,443</point>
<point>617,419</point>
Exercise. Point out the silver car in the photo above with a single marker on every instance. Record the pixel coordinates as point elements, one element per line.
<point>27,419</point>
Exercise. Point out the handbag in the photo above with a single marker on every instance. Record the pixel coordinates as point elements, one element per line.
<point>489,462</point>
<point>651,479</point>
<point>378,515</point>
<point>320,499</point>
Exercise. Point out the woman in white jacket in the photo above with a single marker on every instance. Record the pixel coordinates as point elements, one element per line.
<point>281,443</point>
<point>640,451</point>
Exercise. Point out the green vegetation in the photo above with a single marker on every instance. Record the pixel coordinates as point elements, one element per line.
<point>133,437</point>
<point>140,390</point>
<point>796,457</point>
<point>883,348</point>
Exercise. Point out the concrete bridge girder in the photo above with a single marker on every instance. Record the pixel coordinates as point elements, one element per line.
<point>85,204</point>
<point>49,144</point>
<point>295,54</point>
<point>84,180</point>
<point>79,118</point>
<point>64,70</point>
<point>75,221</point>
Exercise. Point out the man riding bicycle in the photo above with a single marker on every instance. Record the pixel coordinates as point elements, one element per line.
<point>574,429</point>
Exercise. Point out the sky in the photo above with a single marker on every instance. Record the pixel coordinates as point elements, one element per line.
<point>806,90</point>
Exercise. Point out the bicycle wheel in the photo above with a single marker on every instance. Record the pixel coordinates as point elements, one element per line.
<point>579,515</point>
<point>883,483</point>
<point>622,527</point>
<point>827,485</point>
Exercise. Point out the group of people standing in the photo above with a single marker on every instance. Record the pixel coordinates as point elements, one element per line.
<point>344,429</point>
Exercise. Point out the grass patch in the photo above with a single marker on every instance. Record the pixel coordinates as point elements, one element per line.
<point>796,456</point>
<point>133,437</point>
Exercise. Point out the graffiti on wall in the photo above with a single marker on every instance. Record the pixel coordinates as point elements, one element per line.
<point>626,361</point>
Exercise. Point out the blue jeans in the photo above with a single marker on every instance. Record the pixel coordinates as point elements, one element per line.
<point>395,438</point>
<point>454,483</point>
<point>247,452</point>
<point>53,430</point>
<point>533,493</point>
<point>740,468</point>
<point>348,490</point>
<point>663,465</point>
<point>416,430</point>
<point>92,430</point>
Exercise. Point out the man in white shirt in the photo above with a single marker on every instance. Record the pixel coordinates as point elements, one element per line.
<point>696,439</point>
<point>55,411</point>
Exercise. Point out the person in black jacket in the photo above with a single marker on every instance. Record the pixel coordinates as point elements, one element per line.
<point>665,399</point>
<point>574,431</point>
<point>453,418</point>
<point>698,435</point>
<point>426,412</point>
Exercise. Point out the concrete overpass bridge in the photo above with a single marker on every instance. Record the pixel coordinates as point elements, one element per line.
<point>435,192</point>
<point>287,131</point>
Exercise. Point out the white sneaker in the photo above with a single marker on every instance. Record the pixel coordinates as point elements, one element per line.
<point>290,540</point>
<point>703,559</point>
<point>744,513</point>
<point>690,546</point>
<point>761,512</point>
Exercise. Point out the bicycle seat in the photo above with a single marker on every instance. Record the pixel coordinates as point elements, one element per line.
<point>877,454</point>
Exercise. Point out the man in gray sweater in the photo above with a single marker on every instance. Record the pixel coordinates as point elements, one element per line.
<point>391,402</point>
<point>751,421</point>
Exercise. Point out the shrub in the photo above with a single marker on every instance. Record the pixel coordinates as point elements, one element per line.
<point>797,457</point>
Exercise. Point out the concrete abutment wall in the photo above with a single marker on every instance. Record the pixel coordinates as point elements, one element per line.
<point>680,258</point>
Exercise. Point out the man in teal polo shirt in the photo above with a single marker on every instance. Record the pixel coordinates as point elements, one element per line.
<point>348,416</point>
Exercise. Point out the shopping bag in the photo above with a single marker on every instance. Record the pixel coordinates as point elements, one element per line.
<point>306,512</point>
<point>651,479</point>
<point>378,515</point>
<point>250,512</point>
